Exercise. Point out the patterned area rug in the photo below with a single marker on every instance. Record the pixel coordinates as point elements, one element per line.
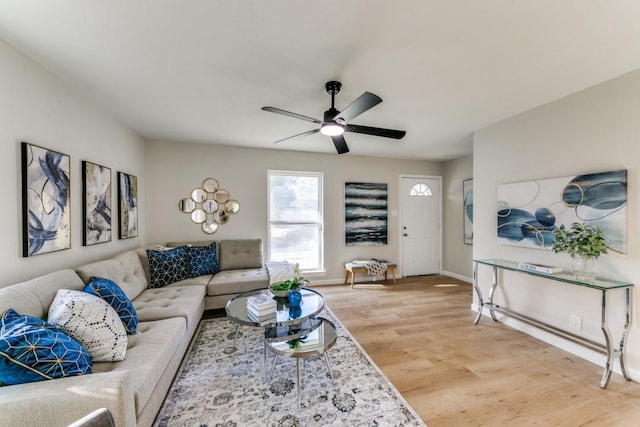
<point>217,386</point>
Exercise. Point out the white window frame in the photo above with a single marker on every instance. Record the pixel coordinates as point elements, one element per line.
<point>319,222</point>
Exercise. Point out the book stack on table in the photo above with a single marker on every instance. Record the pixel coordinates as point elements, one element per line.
<point>261,308</point>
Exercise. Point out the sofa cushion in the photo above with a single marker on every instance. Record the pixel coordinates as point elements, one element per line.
<point>148,355</point>
<point>203,260</point>
<point>33,350</point>
<point>237,281</point>
<point>125,269</point>
<point>240,254</point>
<point>167,266</point>
<point>109,291</point>
<point>171,301</point>
<point>90,321</point>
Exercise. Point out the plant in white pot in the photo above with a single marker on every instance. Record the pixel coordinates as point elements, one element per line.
<point>585,243</point>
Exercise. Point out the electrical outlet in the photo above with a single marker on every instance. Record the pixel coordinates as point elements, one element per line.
<point>575,322</point>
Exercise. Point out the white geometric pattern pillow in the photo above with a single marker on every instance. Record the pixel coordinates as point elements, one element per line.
<point>92,322</point>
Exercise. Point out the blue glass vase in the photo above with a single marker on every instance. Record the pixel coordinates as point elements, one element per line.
<point>295,297</point>
<point>295,311</point>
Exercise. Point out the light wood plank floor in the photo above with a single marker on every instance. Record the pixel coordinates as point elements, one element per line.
<point>420,333</point>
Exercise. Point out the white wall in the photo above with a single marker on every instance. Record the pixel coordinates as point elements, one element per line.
<point>457,256</point>
<point>37,107</point>
<point>595,130</point>
<point>175,169</point>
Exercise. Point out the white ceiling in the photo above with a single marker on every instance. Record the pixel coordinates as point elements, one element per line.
<point>200,70</point>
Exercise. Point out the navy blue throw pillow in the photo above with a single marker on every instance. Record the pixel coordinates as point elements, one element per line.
<point>109,291</point>
<point>34,350</point>
<point>167,266</point>
<point>203,260</point>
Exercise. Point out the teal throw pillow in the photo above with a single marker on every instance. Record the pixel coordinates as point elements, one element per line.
<point>203,260</point>
<point>167,266</point>
<point>34,350</point>
<point>109,291</point>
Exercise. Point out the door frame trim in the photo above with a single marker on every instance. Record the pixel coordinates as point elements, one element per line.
<point>400,213</point>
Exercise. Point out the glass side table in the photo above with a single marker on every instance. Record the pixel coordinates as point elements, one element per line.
<point>313,338</point>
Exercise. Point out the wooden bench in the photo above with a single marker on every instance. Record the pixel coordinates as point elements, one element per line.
<point>351,269</point>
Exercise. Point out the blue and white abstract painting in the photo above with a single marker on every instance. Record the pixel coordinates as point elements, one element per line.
<point>365,211</point>
<point>46,222</point>
<point>127,205</point>
<point>528,212</point>
<point>96,195</point>
<point>467,207</point>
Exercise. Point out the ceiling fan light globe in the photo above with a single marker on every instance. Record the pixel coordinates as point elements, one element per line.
<point>331,129</point>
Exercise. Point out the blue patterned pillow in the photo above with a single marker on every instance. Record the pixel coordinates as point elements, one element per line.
<point>203,260</point>
<point>34,350</point>
<point>167,266</point>
<point>109,291</point>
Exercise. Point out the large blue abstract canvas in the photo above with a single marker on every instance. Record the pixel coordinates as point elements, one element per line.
<point>528,212</point>
<point>365,211</point>
<point>46,213</point>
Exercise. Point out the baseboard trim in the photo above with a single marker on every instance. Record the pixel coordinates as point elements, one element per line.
<point>568,346</point>
<point>457,276</point>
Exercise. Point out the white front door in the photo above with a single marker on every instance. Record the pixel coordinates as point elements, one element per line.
<point>420,225</point>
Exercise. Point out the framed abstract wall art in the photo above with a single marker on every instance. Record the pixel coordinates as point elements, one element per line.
<point>365,212</point>
<point>127,206</point>
<point>467,208</point>
<point>96,203</point>
<point>46,212</point>
<point>528,212</point>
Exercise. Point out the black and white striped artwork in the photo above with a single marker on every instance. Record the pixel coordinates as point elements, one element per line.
<point>365,212</point>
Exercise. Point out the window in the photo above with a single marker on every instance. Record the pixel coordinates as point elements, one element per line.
<point>420,190</point>
<point>295,219</point>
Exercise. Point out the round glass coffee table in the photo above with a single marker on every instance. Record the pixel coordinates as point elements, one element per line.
<point>236,308</point>
<point>312,304</point>
<point>311,338</point>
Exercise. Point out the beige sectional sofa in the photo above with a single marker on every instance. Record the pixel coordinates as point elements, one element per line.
<point>132,389</point>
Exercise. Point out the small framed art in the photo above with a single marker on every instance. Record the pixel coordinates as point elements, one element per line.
<point>96,203</point>
<point>127,206</point>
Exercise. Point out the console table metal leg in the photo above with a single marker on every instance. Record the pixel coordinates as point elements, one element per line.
<point>477,289</point>
<point>606,375</point>
<point>494,285</point>
<point>625,334</point>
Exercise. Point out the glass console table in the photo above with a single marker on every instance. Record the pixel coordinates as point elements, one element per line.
<point>598,284</point>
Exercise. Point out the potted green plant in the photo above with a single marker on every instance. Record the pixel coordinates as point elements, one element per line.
<point>585,243</point>
<point>284,289</point>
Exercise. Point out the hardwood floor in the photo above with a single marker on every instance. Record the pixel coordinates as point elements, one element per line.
<point>420,333</point>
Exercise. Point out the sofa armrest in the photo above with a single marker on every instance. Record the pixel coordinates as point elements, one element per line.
<point>62,401</point>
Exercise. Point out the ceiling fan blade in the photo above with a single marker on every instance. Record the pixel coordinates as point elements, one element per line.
<point>387,133</point>
<point>290,114</point>
<point>363,103</point>
<point>340,143</point>
<point>309,132</point>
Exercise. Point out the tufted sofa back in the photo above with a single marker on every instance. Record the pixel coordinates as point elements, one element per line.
<point>240,254</point>
<point>125,269</point>
<point>36,295</point>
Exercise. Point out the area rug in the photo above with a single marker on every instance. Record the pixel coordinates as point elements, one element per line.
<point>220,386</point>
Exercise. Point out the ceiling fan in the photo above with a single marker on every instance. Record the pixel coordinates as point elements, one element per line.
<point>335,122</point>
